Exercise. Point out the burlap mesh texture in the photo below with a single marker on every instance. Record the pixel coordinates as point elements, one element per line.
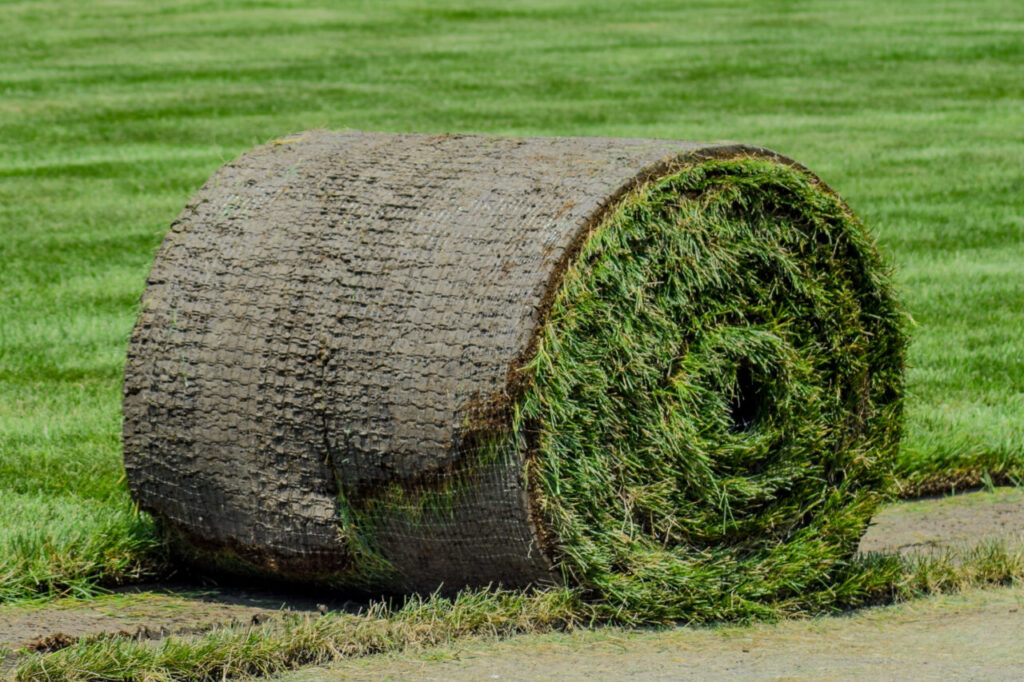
<point>330,336</point>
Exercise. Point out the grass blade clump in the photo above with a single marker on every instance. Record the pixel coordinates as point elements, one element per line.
<point>69,546</point>
<point>715,404</point>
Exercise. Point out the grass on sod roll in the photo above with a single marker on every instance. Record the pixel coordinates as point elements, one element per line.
<point>296,641</point>
<point>716,399</point>
<point>113,114</point>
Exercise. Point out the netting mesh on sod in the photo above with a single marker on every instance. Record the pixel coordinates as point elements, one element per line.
<point>667,373</point>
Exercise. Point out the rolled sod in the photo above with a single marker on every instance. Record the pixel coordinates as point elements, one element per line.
<point>667,373</point>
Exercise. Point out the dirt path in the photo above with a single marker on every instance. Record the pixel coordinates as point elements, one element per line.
<point>151,612</point>
<point>977,635</point>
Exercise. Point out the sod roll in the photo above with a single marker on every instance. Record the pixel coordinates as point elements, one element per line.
<point>668,373</point>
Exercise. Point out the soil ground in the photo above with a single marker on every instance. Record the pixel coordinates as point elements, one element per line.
<point>152,612</point>
<point>148,612</point>
<point>973,635</point>
<point>938,523</point>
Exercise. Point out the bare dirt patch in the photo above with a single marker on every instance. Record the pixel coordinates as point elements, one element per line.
<point>146,613</point>
<point>975,635</point>
<point>940,523</point>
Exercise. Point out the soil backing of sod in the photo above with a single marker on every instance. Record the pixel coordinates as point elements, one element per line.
<point>668,373</point>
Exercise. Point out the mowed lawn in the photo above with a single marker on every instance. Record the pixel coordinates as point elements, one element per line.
<point>113,113</point>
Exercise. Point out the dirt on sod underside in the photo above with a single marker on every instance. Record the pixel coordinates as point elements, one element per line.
<point>153,612</point>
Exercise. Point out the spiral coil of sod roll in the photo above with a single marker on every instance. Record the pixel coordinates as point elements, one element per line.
<point>667,373</point>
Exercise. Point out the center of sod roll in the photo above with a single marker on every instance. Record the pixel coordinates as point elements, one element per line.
<point>714,405</point>
<point>745,401</point>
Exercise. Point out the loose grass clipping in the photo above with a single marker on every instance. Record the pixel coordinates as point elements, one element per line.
<point>668,374</point>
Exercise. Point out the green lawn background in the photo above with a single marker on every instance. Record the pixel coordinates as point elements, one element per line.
<point>113,113</point>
